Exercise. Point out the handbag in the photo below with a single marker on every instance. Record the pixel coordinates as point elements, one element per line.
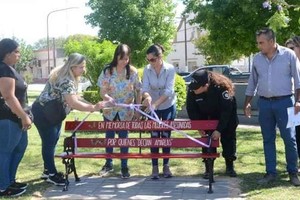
<point>54,111</point>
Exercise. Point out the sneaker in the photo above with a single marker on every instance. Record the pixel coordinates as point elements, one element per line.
<point>166,171</point>
<point>57,179</point>
<point>45,175</point>
<point>12,192</point>
<point>268,178</point>
<point>106,169</point>
<point>17,185</point>
<point>155,173</point>
<point>294,179</point>
<point>124,172</point>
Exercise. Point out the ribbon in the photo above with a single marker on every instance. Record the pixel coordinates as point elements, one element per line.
<point>156,119</point>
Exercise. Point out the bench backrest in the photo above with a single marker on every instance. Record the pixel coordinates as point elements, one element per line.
<point>98,126</point>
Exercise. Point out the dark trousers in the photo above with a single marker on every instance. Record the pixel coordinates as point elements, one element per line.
<point>298,140</point>
<point>228,141</point>
<point>167,114</point>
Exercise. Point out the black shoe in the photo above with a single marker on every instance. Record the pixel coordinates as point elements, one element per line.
<point>45,175</point>
<point>12,192</point>
<point>57,179</point>
<point>106,169</point>
<point>231,172</point>
<point>294,179</point>
<point>125,173</point>
<point>268,178</point>
<point>17,185</point>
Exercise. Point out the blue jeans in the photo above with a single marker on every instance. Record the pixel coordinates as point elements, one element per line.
<point>111,134</point>
<point>49,135</point>
<point>272,113</point>
<point>13,143</point>
<point>167,114</point>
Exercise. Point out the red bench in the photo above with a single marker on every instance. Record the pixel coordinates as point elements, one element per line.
<point>74,145</point>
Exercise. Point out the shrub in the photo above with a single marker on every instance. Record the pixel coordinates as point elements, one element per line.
<point>180,89</point>
<point>92,96</point>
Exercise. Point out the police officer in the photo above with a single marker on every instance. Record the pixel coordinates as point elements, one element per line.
<point>211,97</point>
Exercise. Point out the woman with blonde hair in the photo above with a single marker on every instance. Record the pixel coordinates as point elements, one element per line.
<point>57,99</point>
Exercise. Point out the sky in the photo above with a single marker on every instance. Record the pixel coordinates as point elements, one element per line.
<point>27,19</point>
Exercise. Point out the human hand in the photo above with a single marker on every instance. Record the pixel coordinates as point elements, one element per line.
<point>247,110</point>
<point>26,122</point>
<point>216,135</point>
<point>100,105</point>
<point>297,107</point>
<point>202,133</point>
<point>147,103</point>
<point>109,99</point>
<point>136,116</point>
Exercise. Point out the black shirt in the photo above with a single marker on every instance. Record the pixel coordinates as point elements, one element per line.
<point>20,91</point>
<point>215,104</point>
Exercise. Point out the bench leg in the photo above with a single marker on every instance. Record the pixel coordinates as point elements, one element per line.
<point>210,164</point>
<point>69,168</point>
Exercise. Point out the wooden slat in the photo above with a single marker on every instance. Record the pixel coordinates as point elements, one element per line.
<point>141,125</point>
<point>140,155</point>
<point>142,142</point>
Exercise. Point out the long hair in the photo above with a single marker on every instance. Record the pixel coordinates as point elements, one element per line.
<point>59,74</point>
<point>223,81</point>
<point>121,51</point>
<point>7,46</point>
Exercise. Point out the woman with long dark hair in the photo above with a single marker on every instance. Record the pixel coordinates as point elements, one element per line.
<point>119,83</point>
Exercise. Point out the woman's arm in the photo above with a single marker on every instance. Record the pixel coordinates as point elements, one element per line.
<point>7,90</point>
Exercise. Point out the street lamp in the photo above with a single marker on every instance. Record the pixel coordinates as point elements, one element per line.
<point>48,46</point>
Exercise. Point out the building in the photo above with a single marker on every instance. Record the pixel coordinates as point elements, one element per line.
<point>185,57</point>
<point>39,67</point>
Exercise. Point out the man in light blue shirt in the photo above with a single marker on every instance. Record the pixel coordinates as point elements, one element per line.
<point>275,74</point>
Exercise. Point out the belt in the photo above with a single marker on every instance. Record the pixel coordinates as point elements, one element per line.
<point>275,98</point>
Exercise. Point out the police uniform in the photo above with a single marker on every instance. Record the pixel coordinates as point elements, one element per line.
<point>216,104</point>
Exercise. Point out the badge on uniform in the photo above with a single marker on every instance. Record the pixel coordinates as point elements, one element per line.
<point>225,95</point>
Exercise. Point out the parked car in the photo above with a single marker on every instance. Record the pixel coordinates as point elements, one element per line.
<point>231,72</point>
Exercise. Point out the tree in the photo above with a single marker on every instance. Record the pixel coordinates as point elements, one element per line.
<point>98,54</point>
<point>42,43</point>
<point>27,55</point>
<point>231,24</point>
<point>137,23</point>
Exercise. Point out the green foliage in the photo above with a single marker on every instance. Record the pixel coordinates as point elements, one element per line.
<point>232,24</point>
<point>98,54</point>
<point>180,89</point>
<point>42,43</point>
<point>28,77</point>
<point>136,23</point>
<point>27,55</point>
<point>92,96</point>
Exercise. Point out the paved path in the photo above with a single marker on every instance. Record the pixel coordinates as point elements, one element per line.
<point>143,188</point>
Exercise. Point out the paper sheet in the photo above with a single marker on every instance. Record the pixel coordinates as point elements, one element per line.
<point>293,120</point>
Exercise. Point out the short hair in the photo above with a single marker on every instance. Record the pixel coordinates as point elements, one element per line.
<point>7,46</point>
<point>296,41</point>
<point>156,50</point>
<point>269,33</point>
<point>289,41</point>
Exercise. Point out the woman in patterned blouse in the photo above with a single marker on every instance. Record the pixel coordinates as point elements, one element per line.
<point>62,85</point>
<point>119,83</point>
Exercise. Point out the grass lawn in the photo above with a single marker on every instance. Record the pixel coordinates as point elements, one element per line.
<point>249,165</point>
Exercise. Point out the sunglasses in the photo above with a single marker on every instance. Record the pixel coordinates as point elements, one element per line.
<point>291,48</point>
<point>151,59</point>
